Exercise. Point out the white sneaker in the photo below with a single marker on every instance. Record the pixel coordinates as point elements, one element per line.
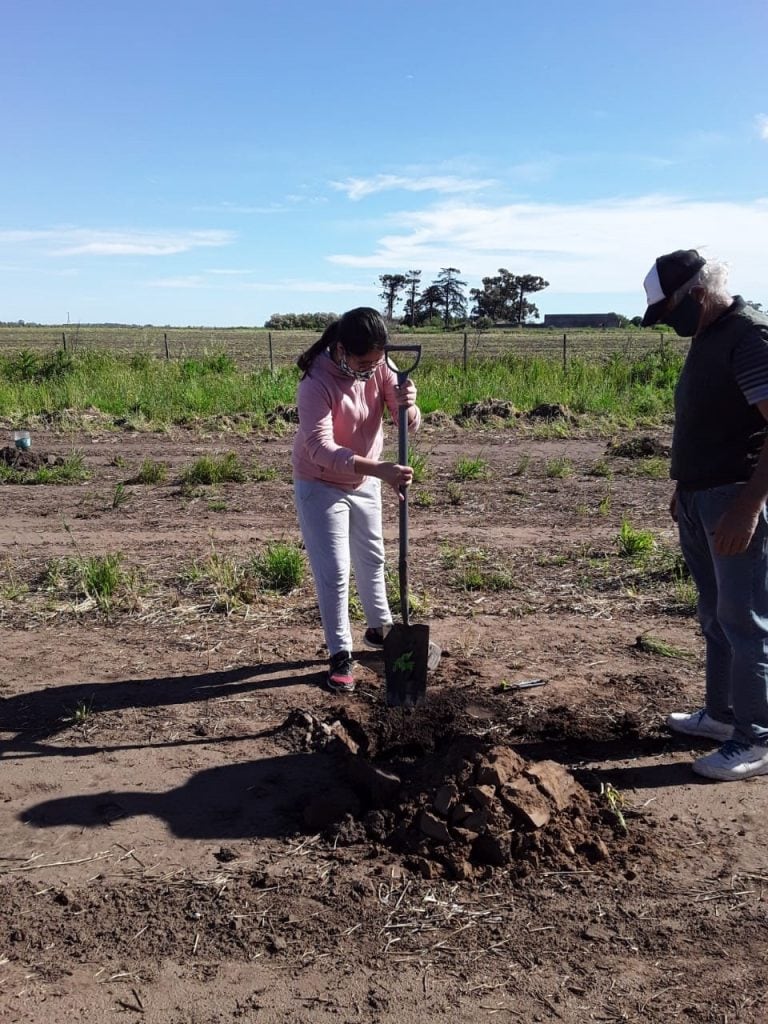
<point>699,723</point>
<point>733,761</point>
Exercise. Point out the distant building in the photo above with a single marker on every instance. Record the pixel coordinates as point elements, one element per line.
<point>582,320</point>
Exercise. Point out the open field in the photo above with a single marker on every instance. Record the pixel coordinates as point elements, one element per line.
<point>186,837</point>
<point>250,347</point>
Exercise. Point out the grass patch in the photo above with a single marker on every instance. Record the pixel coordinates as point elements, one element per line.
<point>559,468</point>
<point>151,472</point>
<point>214,469</point>
<point>471,469</point>
<point>635,544</point>
<point>98,579</point>
<point>660,648</point>
<point>72,470</point>
<point>473,569</point>
<point>280,567</point>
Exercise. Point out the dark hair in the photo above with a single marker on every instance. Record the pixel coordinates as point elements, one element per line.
<point>359,331</point>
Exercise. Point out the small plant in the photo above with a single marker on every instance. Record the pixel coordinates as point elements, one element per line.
<point>559,467</point>
<point>120,495</point>
<point>217,505</point>
<point>81,714</point>
<point>615,802</point>
<point>151,472</point>
<point>635,544</point>
<point>280,567</point>
<point>423,499</point>
<point>455,494</point>
<point>212,469</point>
<point>405,663</point>
<point>601,468</point>
<point>262,473</point>
<point>605,503</point>
<point>118,461</point>
<point>655,468</point>
<point>471,469</point>
<point>419,464</point>
<point>522,465</point>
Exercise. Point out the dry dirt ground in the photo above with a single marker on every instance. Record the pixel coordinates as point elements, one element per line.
<point>193,831</point>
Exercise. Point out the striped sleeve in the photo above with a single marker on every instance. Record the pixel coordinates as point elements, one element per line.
<point>750,365</point>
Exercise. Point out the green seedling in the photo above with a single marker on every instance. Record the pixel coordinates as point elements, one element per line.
<point>615,801</point>
<point>120,495</point>
<point>471,469</point>
<point>635,544</point>
<point>151,472</point>
<point>405,663</point>
<point>559,468</point>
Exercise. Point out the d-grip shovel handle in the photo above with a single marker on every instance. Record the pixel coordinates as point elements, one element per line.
<point>402,458</point>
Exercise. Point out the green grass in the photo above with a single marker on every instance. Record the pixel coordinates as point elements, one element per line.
<point>280,567</point>
<point>146,390</point>
<point>559,468</point>
<point>215,469</point>
<point>151,472</point>
<point>471,469</point>
<point>635,544</point>
<point>474,569</point>
<point>71,471</point>
<point>98,578</point>
<point>419,463</point>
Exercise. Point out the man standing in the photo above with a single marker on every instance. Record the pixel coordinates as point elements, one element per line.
<point>720,465</point>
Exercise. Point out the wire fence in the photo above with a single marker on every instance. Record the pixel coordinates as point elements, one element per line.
<point>257,348</point>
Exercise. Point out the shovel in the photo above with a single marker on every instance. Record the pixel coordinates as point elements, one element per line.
<point>407,650</point>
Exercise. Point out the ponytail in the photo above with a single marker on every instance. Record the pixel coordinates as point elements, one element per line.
<point>305,360</point>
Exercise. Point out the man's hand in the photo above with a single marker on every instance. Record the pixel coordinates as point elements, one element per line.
<point>673,506</point>
<point>736,528</point>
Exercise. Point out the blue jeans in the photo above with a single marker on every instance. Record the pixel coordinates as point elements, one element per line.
<point>733,612</point>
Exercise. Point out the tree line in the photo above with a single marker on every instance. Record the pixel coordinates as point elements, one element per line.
<point>503,298</point>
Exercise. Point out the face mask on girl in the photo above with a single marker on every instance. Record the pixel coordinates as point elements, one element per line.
<point>355,374</point>
<point>684,318</point>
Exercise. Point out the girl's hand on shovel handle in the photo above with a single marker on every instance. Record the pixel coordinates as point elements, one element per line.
<point>406,393</point>
<point>396,476</point>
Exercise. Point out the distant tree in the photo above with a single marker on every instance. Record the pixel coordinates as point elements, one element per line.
<point>452,299</point>
<point>498,299</point>
<point>391,286</point>
<point>636,321</point>
<point>412,281</point>
<point>428,304</point>
<point>528,284</point>
<point>300,321</point>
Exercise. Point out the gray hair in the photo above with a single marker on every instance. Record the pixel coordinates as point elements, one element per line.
<point>713,281</point>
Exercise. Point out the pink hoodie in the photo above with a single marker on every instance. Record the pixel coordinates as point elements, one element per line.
<point>340,417</point>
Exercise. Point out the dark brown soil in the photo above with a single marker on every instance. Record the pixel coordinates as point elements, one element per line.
<point>193,831</point>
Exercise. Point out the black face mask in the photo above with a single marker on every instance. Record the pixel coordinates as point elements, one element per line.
<point>684,318</point>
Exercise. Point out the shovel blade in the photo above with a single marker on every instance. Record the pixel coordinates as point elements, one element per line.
<point>406,653</point>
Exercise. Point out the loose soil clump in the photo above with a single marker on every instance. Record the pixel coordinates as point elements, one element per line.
<point>639,448</point>
<point>463,808</point>
<point>22,459</point>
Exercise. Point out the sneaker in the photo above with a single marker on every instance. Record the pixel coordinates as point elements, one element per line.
<point>374,637</point>
<point>699,723</point>
<point>340,678</point>
<point>733,761</point>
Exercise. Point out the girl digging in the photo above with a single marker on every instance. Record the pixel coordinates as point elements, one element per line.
<point>345,387</point>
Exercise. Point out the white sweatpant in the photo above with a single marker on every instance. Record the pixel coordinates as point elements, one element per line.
<point>340,527</point>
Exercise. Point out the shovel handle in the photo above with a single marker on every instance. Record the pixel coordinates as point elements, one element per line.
<point>402,458</point>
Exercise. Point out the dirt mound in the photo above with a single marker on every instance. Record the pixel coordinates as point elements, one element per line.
<point>639,448</point>
<point>485,411</point>
<point>549,411</point>
<point>461,811</point>
<point>22,459</point>
<point>284,414</point>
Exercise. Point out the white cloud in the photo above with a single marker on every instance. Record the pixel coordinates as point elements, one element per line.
<point>208,281</point>
<point>600,246</point>
<point>85,242</point>
<point>762,126</point>
<point>358,188</point>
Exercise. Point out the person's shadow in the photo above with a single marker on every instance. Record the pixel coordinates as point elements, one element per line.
<point>41,714</point>
<point>261,798</point>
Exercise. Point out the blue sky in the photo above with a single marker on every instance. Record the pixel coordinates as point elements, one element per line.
<point>194,162</point>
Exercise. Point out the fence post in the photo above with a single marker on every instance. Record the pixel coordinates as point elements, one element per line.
<point>64,341</point>
<point>271,359</point>
<point>165,342</point>
<point>565,351</point>
<point>465,351</point>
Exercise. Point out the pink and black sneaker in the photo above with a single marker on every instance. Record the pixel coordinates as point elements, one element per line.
<point>340,678</point>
